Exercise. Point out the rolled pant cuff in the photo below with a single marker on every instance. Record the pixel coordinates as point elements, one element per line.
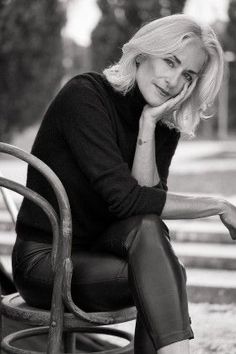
<point>174,337</point>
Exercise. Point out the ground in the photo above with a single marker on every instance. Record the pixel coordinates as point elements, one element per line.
<point>214,328</point>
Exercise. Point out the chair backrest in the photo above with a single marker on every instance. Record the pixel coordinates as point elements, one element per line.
<point>62,232</point>
<point>9,202</point>
<point>61,248</point>
<point>12,209</point>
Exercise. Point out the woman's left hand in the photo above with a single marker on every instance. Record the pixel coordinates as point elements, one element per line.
<point>228,218</point>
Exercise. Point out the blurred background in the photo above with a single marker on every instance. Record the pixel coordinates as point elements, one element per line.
<point>45,43</point>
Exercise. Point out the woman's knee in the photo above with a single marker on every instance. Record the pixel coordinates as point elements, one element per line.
<point>145,221</point>
<point>149,232</point>
<point>151,221</point>
<point>139,230</point>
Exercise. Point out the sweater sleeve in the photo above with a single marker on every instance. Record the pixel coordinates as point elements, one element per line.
<point>164,157</point>
<point>88,129</point>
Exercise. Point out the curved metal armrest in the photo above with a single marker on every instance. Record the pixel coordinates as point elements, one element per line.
<point>59,190</point>
<point>64,242</point>
<point>41,202</point>
<point>98,318</point>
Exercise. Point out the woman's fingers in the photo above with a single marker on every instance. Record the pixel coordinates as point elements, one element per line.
<point>180,97</point>
<point>228,219</point>
<point>186,93</point>
<point>233,234</point>
<point>175,102</point>
<point>169,105</point>
<point>190,89</point>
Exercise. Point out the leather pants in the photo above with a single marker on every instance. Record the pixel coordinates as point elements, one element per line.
<point>131,263</point>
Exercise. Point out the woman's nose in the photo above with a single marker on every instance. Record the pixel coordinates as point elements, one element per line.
<point>173,80</point>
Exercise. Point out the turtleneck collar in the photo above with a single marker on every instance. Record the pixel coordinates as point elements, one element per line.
<point>136,100</point>
<point>130,105</point>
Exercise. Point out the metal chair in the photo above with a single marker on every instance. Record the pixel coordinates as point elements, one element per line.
<point>56,322</point>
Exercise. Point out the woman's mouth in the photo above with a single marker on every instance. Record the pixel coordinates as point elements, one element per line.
<point>162,92</point>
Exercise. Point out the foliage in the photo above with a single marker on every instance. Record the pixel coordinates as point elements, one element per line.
<point>120,20</point>
<point>229,44</point>
<point>30,60</point>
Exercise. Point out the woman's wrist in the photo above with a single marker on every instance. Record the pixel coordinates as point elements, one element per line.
<point>146,130</point>
<point>222,205</point>
<point>191,206</point>
<point>145,136</point>
<point>146,123</point>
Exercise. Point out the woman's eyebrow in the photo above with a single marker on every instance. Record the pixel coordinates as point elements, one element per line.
<point>178,61</point>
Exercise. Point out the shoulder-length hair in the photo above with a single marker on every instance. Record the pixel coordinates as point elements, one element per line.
<point>167,35</point>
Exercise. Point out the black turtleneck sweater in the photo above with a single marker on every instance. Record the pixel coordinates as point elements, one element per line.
<point>88,137</point>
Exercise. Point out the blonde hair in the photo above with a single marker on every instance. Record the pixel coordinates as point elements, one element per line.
<point>167,35</point>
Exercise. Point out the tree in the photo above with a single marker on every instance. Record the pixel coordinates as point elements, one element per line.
<point>229,44</point>
<point>30,60</point>
<point>120,20</point>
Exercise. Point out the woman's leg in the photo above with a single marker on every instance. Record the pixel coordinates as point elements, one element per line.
<point>157,280</point>
<point>137,246</point>
<point>143,343</point>
<point>100,282</point>
<point>181,347</point>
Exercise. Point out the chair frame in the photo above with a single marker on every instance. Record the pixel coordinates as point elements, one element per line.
<point>61,264</point>
<point>10,204</point>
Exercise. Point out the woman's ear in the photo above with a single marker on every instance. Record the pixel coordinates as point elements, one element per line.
<point>139,58</point>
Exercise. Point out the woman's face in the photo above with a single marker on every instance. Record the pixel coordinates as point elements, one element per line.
<point>159,79</point>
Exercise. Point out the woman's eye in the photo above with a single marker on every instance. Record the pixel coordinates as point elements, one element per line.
<point>188,77</point>
<point>170,62</point>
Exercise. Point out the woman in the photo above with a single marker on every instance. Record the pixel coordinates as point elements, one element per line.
<point>110,138</point>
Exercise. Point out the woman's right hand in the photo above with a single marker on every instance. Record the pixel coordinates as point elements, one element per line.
<point>228,218</point>
<point>153,114</point>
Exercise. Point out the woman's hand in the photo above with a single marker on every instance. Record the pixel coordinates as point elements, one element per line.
<point>228,218</point>
<point>152,114</point>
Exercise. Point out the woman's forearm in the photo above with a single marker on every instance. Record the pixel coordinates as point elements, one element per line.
<point>144,167</point>
<point>191,207</point>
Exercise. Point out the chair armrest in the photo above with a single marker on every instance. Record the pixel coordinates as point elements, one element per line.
<point>59,190</point>
<point>97,318</point>
<point>41,202</point>
<point>64,241</point>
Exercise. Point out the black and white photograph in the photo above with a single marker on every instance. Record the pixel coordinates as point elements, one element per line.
<point>118,176</point>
